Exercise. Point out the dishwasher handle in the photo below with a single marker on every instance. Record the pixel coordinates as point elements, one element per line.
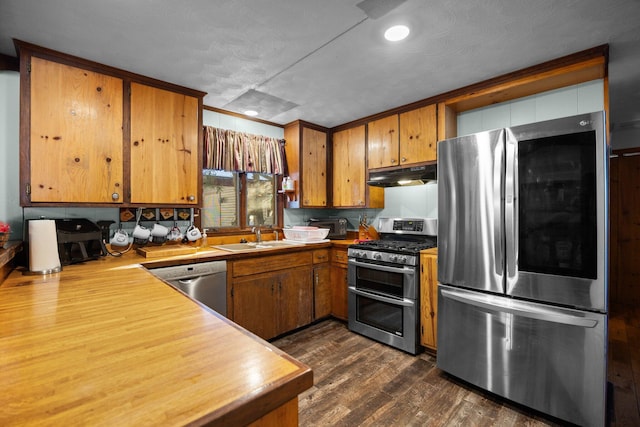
<point>188,280</point>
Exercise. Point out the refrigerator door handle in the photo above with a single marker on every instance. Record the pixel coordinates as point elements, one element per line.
<point>511,208</point>
<point>498,194</point>
<point>517,308</point>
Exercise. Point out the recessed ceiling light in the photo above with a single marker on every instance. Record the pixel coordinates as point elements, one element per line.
<point>251,113</point>
<point>396,33</point>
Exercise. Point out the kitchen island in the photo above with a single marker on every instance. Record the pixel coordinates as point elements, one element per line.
<point>106,343</point>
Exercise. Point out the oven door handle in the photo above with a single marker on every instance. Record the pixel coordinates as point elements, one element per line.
<point>402,270</point>
<point>404,302</point>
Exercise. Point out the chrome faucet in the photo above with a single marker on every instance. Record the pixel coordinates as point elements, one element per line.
<point>256,230</point>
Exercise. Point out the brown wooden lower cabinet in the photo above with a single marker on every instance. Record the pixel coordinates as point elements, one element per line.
<point>429,298</point>
<point>321,284</point>
<point>283,416</point>
<point>339,283</point>
<point>255,304</point>
<point>274,294</point>
<point>270,304</point>
<point>321,291</point>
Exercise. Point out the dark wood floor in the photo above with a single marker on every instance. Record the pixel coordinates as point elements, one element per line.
<point>358,382</point>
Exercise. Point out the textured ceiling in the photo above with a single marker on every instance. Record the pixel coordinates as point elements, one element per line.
<point>326,60</point>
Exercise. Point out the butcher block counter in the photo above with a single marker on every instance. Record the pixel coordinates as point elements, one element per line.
<point>106,343</point>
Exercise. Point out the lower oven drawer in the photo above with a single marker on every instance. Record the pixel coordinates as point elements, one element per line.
<point>388,320</point>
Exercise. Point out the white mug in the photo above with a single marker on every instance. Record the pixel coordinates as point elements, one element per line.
<point>159,230</point>
<point>193,233</point>
<point>120,238</point>
<point>141,233</point>
<point>175,233</point>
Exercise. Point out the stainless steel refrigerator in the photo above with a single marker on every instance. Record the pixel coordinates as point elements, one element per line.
<point>522,264</point>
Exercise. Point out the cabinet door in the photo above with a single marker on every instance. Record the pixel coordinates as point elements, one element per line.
<point>428,300</point>
<point>314,168</point>
<point>349,168</point>
<point>339,284</point>
<point>295,299</point>
<point>418,135</point>
<point>255,304</point>
<point>382,142</point>
<point>321,291</point>
<point>76,135</point>
<point>164,146</point>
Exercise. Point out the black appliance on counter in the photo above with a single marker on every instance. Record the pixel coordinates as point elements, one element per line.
<point>337,226</point>
<point>384,282</point>
<point>79,240</point>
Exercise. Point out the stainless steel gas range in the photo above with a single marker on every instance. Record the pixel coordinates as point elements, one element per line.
<point>384,282</point>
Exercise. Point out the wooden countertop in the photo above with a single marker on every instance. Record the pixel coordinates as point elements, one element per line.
<point>105,342</point>
<point>343,243</point>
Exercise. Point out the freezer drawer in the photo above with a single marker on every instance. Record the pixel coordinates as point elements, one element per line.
<point>547,358</point>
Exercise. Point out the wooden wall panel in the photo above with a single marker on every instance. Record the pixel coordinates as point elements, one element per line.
<point>613,229</point>
<point>626,289</point>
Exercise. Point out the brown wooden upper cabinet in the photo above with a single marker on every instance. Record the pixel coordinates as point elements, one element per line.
<point>84,140</point>
<point>383,143</point>
<point>164,146</point>
<point>75,136</point>
<point>348,168</point>
<point>307,149</point>
<point>402,139</point>
<point>349,174</point>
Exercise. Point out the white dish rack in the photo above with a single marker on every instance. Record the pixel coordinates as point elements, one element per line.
<point>306,234</point>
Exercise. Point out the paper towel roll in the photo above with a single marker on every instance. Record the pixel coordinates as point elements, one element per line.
<point>43,247</point>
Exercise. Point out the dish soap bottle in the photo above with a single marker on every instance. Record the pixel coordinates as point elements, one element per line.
<point>203,239</point>
<point>287,184</point>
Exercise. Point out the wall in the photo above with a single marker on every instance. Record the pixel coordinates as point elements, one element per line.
<point>582,98</point>
<point>413,201</point>
<point>625,138</point>
<point>224,121</point>
<point>10,210</point>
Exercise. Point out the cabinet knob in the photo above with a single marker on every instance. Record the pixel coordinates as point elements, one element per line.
<point>393,160</point>
<point>191,198</point>
<point>404,159</point>
<point>115,196</point>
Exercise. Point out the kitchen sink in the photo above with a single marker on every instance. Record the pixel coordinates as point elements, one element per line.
<point>252,246</point>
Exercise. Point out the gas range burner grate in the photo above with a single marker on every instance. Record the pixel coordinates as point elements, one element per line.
<point>397,246</point>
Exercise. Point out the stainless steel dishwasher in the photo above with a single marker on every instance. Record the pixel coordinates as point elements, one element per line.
<point>204,281</point>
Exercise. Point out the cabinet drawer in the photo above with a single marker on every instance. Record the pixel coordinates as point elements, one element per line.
<point>262,264</point>
<point>339,256</point>
<point>320,255</point>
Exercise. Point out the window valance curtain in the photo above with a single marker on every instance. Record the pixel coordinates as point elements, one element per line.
<point>243,152</point>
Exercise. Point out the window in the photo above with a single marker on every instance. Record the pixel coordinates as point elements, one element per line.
<point>261,199</point>
<point>227,207</point>
<point>220,205</point>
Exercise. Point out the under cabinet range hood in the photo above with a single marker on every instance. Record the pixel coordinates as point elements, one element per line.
<point>414,175</point>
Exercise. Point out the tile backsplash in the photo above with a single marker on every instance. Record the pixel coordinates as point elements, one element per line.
<point>414,201</point>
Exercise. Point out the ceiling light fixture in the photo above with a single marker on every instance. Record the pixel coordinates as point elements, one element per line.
<point>396,33</point>
<point>251,113</point>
